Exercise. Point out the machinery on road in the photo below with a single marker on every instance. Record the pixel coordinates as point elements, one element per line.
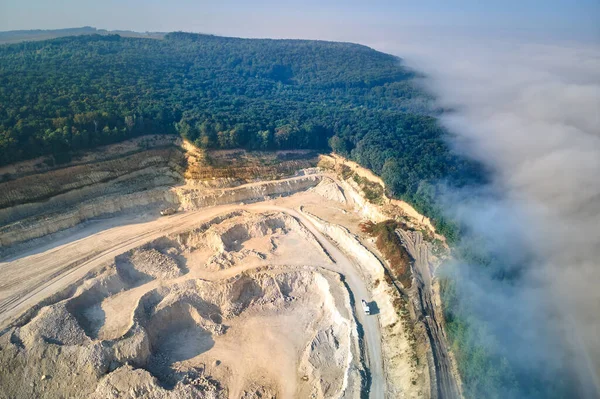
<point>365,307</point>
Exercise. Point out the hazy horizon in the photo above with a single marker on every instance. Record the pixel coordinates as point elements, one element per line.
<point>531,20</point>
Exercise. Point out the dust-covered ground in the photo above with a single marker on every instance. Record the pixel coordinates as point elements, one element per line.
<point>241,306</point>
<point>257,300</point>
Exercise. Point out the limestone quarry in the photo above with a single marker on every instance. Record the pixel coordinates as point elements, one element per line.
<point>251,288</point>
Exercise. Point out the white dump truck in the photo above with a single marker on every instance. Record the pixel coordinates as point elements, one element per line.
<point>365,307</point>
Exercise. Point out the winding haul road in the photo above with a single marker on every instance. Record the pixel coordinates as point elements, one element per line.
<point>445,386</point>
<point>370,324</point>
<point>31,277</point>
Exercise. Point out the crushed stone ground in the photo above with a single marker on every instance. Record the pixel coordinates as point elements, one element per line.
<point>197,314</point>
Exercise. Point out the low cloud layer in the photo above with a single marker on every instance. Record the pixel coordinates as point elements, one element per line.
<point>532,113</point>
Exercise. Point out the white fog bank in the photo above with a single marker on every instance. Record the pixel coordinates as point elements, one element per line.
<point>532,113</point>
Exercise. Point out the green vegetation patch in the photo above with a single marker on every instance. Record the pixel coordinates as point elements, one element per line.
<point>373,191</point>
<point>74,93</point>
<point>390,246</point>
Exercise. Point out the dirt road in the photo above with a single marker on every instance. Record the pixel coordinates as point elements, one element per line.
<point>445,383</point>
<point>31,277</point>
<point>370,324</point>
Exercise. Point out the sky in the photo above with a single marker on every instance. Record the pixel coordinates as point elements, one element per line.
<point>566,19</point>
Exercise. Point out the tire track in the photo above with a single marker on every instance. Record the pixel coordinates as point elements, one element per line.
<point>444,384</point>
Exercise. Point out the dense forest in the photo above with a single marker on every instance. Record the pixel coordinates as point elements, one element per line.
<point>75,93</point>
<point>70,94</point>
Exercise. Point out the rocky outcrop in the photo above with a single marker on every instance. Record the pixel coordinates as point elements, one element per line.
<point>135,182</point>
<point>39,226</point>
<point>125,171</point>
<point>370,210</point>
<point>330,190</point>
<point>361,205</point>
<point>38,198</point>
<point>198,198</point>
<point>189,199</point>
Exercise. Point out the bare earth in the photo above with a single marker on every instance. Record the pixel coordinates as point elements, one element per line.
<point>256,300</point>
<point>243,300</point>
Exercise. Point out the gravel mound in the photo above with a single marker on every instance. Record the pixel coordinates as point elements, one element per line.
<point>148,326</point>
<point>330,190</point>
<point>155,264</point>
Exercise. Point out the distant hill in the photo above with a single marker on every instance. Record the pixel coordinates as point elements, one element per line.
<point>74,93</point>
<point>16,36</point>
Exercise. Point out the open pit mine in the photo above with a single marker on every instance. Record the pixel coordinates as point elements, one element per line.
<point>250,285</point>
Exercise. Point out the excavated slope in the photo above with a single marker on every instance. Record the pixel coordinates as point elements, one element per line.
<point>144,175</point>
<point>197,314</point>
